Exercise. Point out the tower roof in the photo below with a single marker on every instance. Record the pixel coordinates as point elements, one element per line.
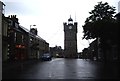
<point>70,19</point>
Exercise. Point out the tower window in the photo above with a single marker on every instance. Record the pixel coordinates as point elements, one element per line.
<point>70,44</point>
<point>70,33</point>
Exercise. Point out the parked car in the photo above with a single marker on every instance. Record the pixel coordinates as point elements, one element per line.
<point>46,57</point>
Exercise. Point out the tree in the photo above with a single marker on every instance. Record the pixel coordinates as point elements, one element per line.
<point>100,23</point>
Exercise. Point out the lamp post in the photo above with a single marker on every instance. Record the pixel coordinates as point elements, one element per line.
<point>32,25</point>
<point>29,50</point>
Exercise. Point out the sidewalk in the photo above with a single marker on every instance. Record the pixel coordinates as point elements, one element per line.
<point>9,65</point>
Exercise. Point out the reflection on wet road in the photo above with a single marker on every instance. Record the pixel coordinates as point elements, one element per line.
<point>60,68</point>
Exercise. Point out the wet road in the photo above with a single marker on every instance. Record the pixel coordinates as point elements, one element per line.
<point>60,68</point>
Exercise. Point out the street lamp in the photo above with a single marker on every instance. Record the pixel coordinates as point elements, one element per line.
<point>32,25</point>
<point>30,40</point>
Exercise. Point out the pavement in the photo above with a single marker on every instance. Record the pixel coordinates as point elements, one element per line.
<point>12,64</point>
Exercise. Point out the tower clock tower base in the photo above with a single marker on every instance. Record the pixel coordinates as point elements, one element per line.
<point>70,54</point>
<point>70,39</point>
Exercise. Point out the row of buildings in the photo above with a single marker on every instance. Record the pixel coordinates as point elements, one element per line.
<point>108,52</point>
<point>19,43</point>
<point>57,52</point>
<point>94,52</point>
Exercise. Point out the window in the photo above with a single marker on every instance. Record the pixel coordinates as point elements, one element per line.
<point>22,38</point>
<point>4,29</point>
<point>16,25</point>
<point>8,45</point>
<point>7,53</point>
<point>10,22</point>
<point>8,27</point>
<point>8,35</point>
<point>15,37</point>
<point>70,33</point>
<point>69,43</point>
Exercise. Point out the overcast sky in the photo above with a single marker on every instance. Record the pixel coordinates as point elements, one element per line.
<point>49,15</point>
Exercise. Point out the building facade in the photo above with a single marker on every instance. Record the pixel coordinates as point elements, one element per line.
<point>1,13</point>
<point>37,45</point>
<point>1,19</point>
<point>57,52</point>
<point>70,39</point>
<point>19,43</point>
<point>18,40</point>
<point>5,39</point>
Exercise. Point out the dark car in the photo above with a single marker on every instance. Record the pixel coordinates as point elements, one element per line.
<point>46,57</point>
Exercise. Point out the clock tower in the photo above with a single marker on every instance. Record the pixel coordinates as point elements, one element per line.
<point>70,39</point>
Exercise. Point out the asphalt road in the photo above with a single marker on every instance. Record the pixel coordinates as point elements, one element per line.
<point>60,68</point>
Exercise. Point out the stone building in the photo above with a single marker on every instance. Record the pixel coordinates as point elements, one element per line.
<point>1,35</point>
<point>37,45</point>
<point>70,39</point>
<point>5,39</point>
<point>18,40</point>
<point>19,43</point>
<point>57,51</point>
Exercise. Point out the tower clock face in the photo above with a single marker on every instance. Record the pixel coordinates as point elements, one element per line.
<point>70,27</point>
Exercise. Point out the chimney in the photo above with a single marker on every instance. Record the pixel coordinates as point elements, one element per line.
<point>14,18</point>
<point>34,31</point>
